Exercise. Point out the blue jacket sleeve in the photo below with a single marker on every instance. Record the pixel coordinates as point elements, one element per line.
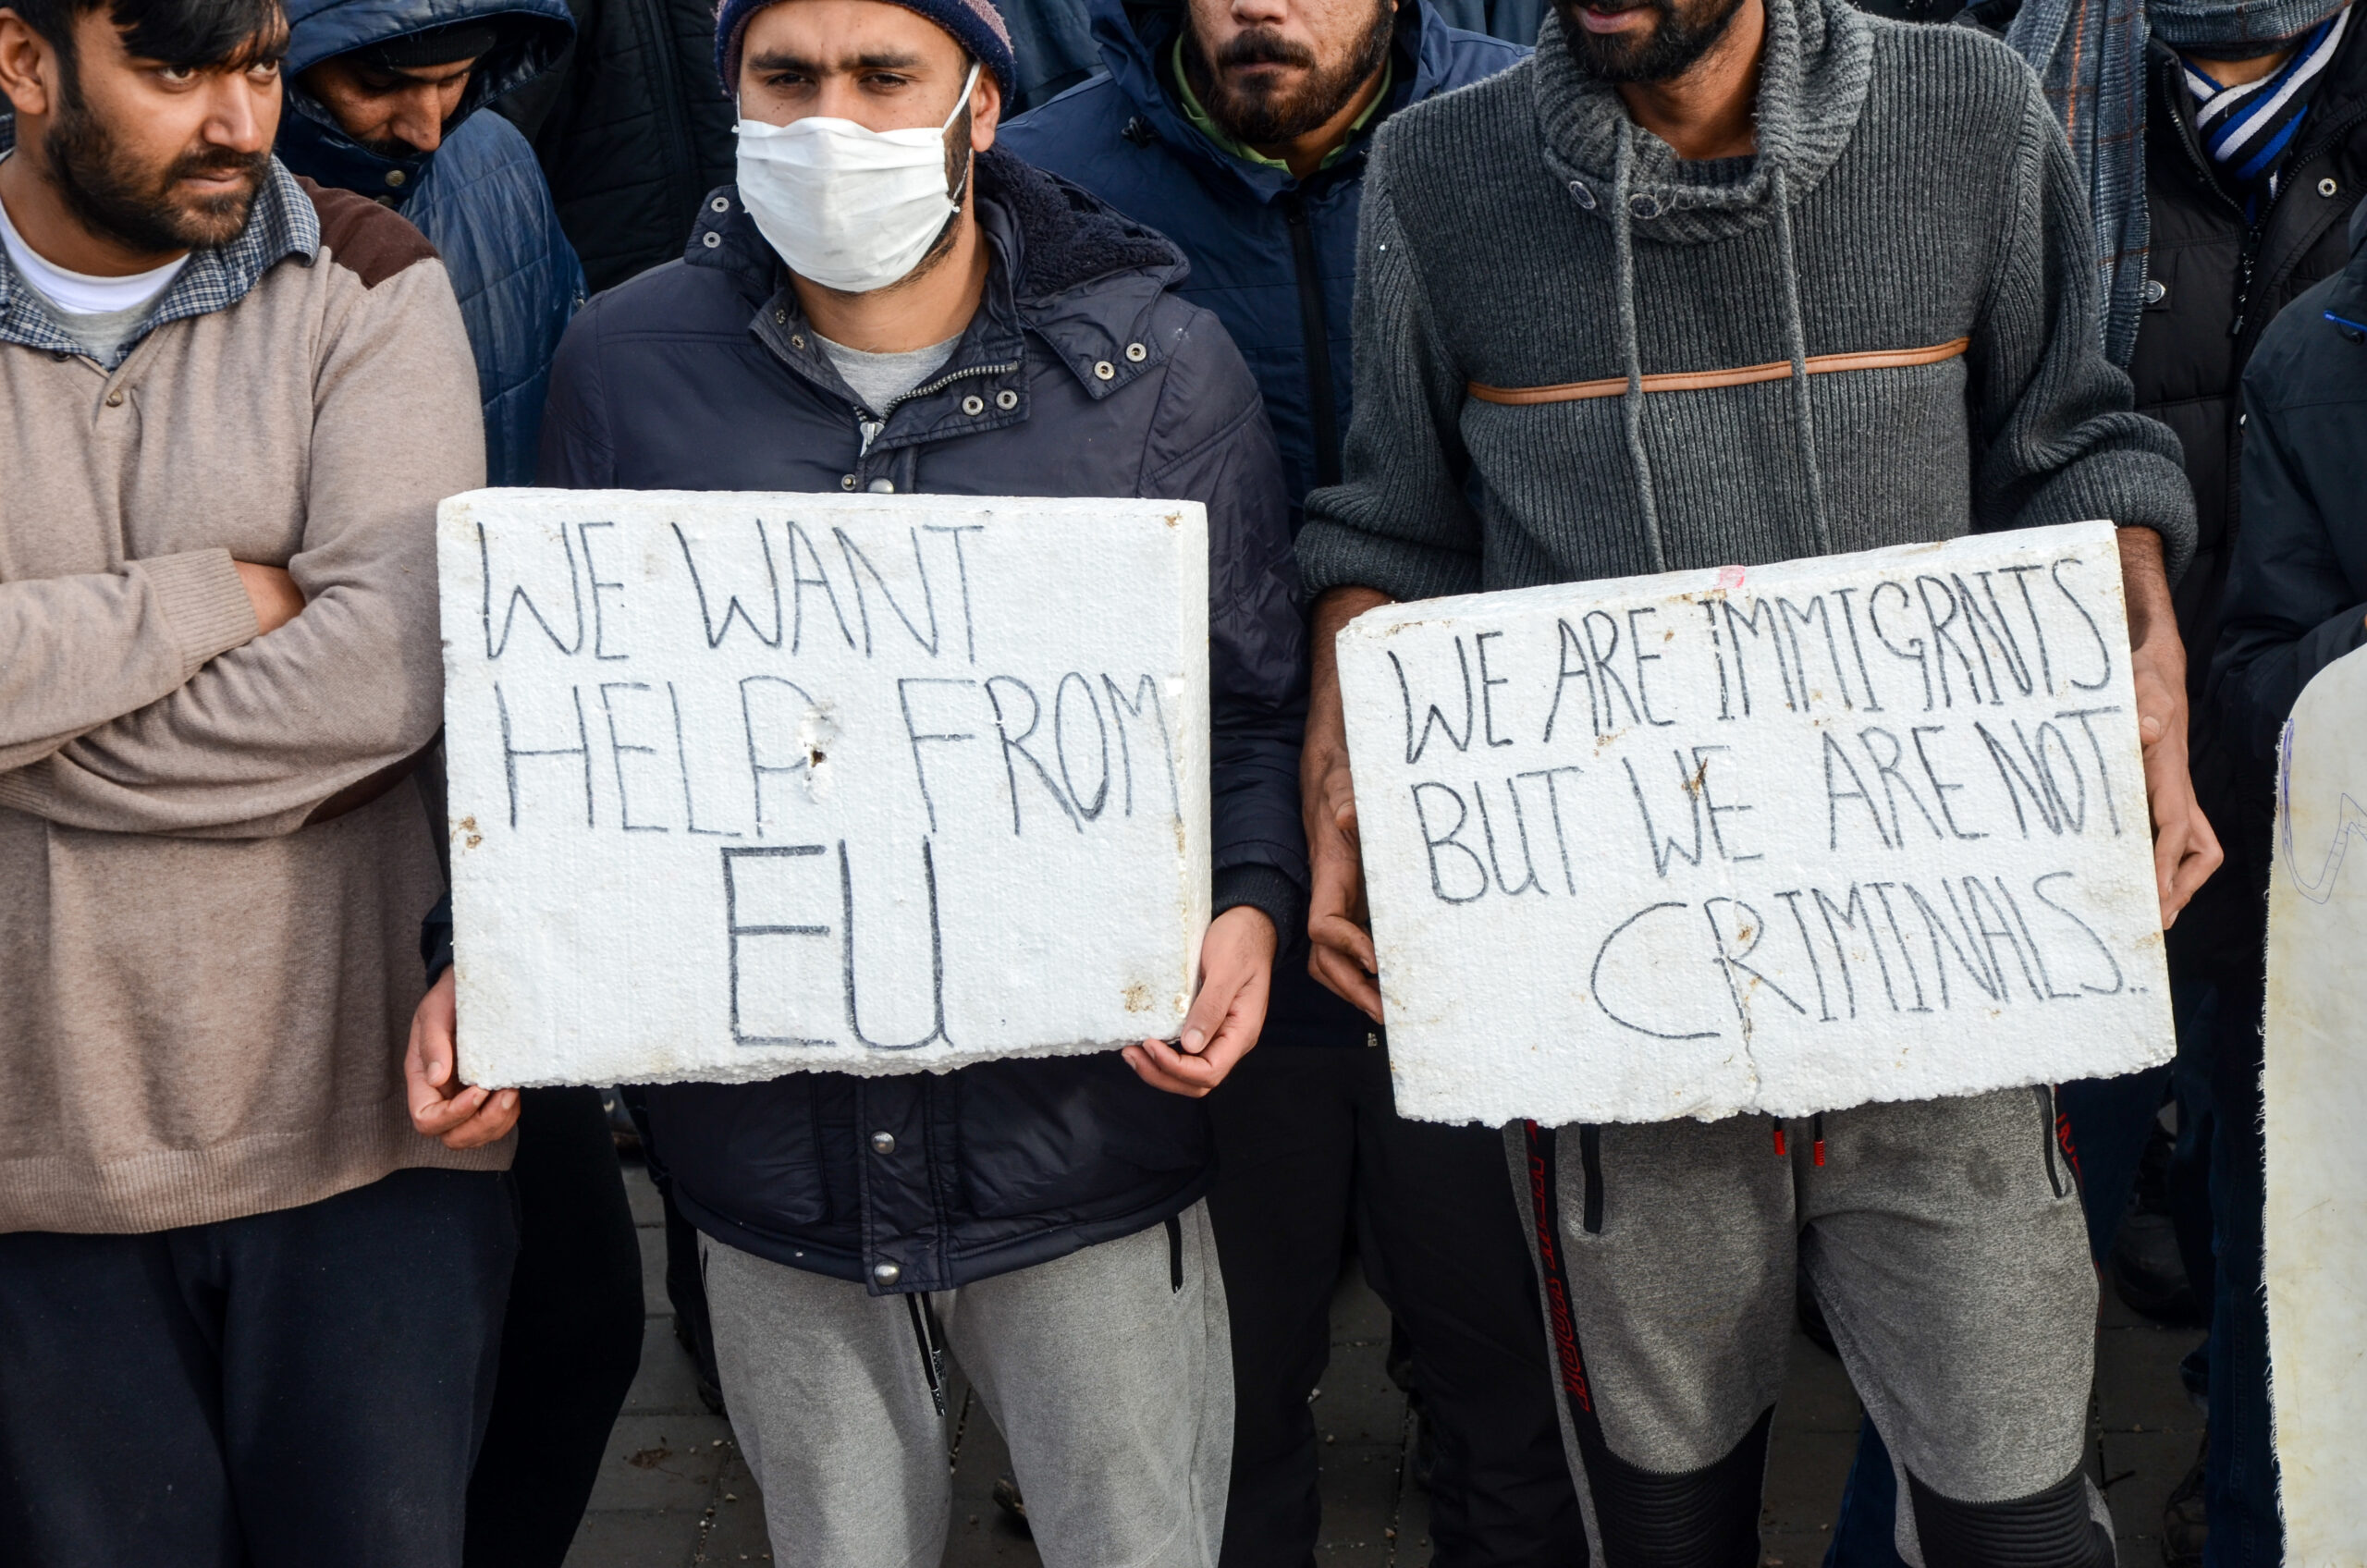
<point>1257,672</point>
<point>436,938</point>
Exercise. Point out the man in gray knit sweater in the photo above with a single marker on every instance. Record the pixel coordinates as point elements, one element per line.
<point>1738,281</point>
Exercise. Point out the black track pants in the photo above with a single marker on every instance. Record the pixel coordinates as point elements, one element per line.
<point>284,1390</point>
<point>570,1341</point>
<point>1308,1145</point>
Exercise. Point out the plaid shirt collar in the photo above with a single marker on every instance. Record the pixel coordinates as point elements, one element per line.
<point>284,223</point>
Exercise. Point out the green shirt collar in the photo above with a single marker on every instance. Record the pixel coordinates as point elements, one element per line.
<point>1190,102</point>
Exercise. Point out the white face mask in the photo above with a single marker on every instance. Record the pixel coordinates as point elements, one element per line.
<point>847,207</point>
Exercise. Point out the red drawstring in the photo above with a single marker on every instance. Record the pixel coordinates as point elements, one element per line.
<point>1779,1140</point>
<point>1820,1137</point>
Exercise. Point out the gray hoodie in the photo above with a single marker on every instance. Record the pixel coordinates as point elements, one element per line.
<point>1579,356</point>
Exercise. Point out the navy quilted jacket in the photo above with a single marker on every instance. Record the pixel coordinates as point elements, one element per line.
<point>480,197</point>
<point>1083,374</point>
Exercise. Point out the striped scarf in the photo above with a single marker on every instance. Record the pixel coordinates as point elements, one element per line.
<point>2247,129</point>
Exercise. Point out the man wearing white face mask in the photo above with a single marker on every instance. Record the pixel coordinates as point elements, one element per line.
<point>885,304</point>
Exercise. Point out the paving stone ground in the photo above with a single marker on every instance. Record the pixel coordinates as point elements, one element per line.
<point>675,1492</point>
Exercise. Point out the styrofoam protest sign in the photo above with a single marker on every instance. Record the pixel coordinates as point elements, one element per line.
<point>1863,827</point>
<point>744,784</point>
<point>2315,1087</point>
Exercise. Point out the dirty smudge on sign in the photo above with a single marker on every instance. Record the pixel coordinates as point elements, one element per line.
<point>1865,828</point>
<point>743,784</point>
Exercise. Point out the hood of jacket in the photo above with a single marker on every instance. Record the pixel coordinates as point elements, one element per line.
<point>1137,42</point>
<point>534,34</point>
<point>1813,74</point>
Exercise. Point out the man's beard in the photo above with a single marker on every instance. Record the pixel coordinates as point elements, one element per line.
<point>1670,49</point>
<point>116,197</point>
<point>1262,116</point>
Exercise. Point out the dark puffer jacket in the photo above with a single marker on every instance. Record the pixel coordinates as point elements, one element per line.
<point>479,198</point>
<point>1274,257</point>
<point>703,376</point>
<point>2297,585</point>
<point>633,129</point>
<point>2214,285</point>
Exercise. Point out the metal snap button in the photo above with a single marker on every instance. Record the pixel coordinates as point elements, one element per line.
<point>1584,196</point>
<point>1006,400</point>
<point>886,1273</point>
<point>721,203</point>
<point>780,318</point>
<point>1104,369</point>
<point>882,486</point>
<point>2156,291</point>
<point>846,482</point>
<point>883,1143</point>
<point>1136,352</point>
<point>710,239</point>
<point>2326,187</point>
<point>797,340</point>
<point>973,405</point>
<point>396,176</point>
<point>114,398</point>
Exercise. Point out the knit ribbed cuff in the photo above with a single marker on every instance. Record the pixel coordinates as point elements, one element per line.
<point>1263,887</point>
<point>204,603</point>
<point>1334,554</point>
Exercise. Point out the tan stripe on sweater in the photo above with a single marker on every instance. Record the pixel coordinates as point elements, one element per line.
<point>1703,380</point>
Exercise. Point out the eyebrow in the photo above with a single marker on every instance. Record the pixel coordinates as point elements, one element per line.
<point>877,60</point>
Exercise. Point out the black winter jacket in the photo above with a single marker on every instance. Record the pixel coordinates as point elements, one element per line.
<point>2214,285</point>
<point>702,376</point>
<point>633,131</point>
<point>2296,590</point>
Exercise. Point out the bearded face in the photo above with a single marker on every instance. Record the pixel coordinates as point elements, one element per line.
<point>199,197</point>
<point>1610,43</point>
<point>1266,87</point>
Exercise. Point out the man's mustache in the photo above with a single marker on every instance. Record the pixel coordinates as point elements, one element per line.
<point>211,162</point>
<point>1259,46</point>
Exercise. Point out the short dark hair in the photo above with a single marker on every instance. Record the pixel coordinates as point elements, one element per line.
<point>192,34</point>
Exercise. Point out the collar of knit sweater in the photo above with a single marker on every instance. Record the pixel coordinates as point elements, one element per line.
<point>1813,74</point>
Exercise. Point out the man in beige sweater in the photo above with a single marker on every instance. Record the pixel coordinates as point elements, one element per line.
<point>247,1313</point>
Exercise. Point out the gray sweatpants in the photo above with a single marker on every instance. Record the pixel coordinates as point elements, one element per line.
<point>1943,1239</point>
<point>1113,1384</point>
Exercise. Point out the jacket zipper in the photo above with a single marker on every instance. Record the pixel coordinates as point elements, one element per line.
<point>1324,410</point>
<point>870,428</point>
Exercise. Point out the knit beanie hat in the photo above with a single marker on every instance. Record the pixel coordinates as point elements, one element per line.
<point>2240,27</point>
<point>975,24</point>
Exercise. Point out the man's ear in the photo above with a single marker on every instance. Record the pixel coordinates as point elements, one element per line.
<point>985,110</point>
<point>26,65</point>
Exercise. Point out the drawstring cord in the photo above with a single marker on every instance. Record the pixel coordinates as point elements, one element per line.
<point>1623,244</point>
<point>926,1330</point>
<point>1816,1132</point>
<point>1797,344</point>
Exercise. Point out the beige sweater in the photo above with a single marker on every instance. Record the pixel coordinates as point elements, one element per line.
<point>208,951</point>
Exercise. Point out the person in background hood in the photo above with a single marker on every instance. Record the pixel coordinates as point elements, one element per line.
<point>389,100</point>
<point>1241,127</point>
<point>887,304</point>
<point>385,100</point>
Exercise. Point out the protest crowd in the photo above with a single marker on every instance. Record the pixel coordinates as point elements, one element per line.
<point>1417,298</point>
